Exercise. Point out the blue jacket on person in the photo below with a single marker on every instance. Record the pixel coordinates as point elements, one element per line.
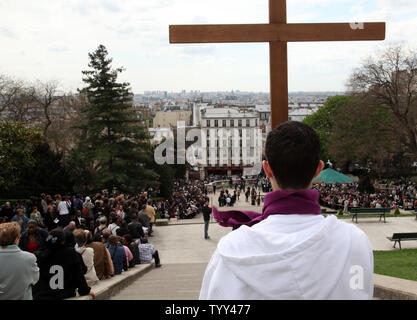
<point>24,222</point>
<point>118,256</point>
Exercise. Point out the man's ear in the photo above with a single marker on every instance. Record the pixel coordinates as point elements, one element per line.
<point>320,168</point>
<point>267,169</point>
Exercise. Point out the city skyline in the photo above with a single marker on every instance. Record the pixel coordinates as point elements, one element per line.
<point>51,41</point>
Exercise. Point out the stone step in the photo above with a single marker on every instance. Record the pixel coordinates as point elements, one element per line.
<point>107,288</point>
<point>170,282</point>
<point>390,288</point>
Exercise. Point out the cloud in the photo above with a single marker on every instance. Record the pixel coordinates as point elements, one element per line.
<point>6,32</point>
<point>88,7</point>
<point>410,4</point>
<point>59,34</point>
<point>58,47</point>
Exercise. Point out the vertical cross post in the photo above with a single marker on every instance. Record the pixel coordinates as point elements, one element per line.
<point>278,66</point>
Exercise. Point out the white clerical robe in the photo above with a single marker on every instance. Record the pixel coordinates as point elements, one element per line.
<point>291,257</point>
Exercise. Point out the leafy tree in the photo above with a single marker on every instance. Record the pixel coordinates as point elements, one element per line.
<point>28,166</point>
<point>322,121</point>
<point>361,133</point>
<point>166,178</point>
<point>116,144</point>
<point>17,144</point>
<point>81,171</point>
<point>48,175</point>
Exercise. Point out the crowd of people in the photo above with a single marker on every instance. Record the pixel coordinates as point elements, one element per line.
<point>393,194</point>
<point>251,190</point>
<point>64,244</point>
<point>186,201</point>
<point>90,238</point>
<point>100,236</point>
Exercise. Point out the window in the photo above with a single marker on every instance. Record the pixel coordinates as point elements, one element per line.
<point>208,123</point>
<point>248,123</point>
<point>240,123</point>
<point>232,123</point>
<point>216,123</point>
<point>256,122</point>
<point>240,132</point>
<point>224,123</point>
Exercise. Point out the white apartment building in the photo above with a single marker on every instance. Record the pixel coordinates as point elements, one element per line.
<point>231,140</point>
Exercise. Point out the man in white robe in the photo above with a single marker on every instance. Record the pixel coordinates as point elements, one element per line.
<point>290,251</point>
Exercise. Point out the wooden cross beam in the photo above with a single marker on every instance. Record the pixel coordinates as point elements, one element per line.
<point>277,33</point>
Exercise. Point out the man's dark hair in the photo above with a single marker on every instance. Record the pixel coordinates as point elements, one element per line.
<point>293,152</point>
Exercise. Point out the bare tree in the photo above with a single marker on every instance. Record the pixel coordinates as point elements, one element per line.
<point>46,96</point>
<point>62,133</point>
<point>390,79</point>
<point>41,104</point>
<point>17,100</point>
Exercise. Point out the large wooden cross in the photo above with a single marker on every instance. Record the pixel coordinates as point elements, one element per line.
<point>278,32</point>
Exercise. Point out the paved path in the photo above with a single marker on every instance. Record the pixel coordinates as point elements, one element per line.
<point>170,282</point>
<point>185,254</point>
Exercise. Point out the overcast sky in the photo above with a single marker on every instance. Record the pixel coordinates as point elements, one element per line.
<point>50,40</point>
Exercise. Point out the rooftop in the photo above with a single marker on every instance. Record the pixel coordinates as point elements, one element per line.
<point>220,113</point>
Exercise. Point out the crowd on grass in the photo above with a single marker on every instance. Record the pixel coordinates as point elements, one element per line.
<point>386,194</point>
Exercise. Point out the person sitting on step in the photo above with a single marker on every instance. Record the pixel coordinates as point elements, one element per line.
<point>147,252</point>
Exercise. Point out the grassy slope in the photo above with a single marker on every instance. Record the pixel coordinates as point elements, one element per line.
<point>397,263</point>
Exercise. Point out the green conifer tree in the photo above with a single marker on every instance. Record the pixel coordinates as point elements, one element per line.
<point>116,143</point>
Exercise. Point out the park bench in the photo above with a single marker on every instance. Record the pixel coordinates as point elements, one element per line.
<point>161,222</point>
<point>398,237</point>
<point>325,211</point>
<point>368,211</point>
